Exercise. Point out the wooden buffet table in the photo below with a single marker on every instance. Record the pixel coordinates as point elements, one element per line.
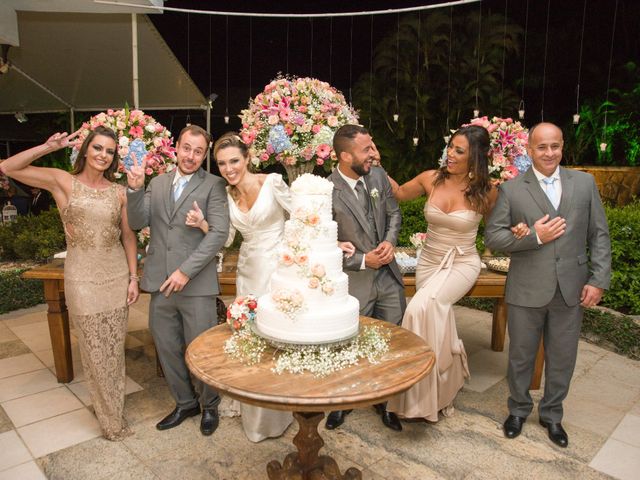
<point>488,285</point>
<point>408,360</point>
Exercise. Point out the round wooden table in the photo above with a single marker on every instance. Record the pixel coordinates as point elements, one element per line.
<point>408,360</point>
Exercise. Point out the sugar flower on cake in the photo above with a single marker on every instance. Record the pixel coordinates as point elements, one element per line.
<point>293,120</point>
<point>508,147</point>
<point>135,131</point>
<point>318,278</point>
<point>288,301</point>
<point>242,311</point>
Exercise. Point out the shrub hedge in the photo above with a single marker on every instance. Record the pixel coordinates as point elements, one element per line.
<point>624,228</point>
<point>15,292</point>
<point>32,238</point>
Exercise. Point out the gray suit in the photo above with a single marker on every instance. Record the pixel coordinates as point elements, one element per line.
<point>177,320</point>
<point>545,281</point>
<point>380,292</point>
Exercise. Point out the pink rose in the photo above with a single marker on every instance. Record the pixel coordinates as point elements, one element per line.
<point>273,119</point>
<point>327,289</point>
<point>313,219</point>
<point>287,259</point>
<point>318,270</point>
<point>332,121</point>
<point>316,128</point>
<point>302,259</point>
<point>314,282</point>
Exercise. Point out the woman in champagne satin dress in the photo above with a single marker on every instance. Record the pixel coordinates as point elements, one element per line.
<point>459,195</point>
<point>100,269</point>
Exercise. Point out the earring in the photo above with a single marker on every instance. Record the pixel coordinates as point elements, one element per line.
<point>471,175</point>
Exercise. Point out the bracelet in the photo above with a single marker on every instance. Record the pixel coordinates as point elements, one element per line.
<point>133,276</point>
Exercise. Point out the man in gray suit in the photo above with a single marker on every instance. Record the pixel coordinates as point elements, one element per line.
<point>550,279</point>
<point>368,216</point>
<point>180,270</point>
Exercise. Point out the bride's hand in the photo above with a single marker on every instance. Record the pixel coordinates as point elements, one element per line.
<point>195,217</point>
<point>347,248</point>
<point>520,230</point>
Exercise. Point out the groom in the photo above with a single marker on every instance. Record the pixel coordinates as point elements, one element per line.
<point>180,270</point>
<point>369,217</point>
<point>562,266</point>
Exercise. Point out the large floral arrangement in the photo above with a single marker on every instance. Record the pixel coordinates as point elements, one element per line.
<point>293,121</point>
<point>509,141</point>
<point>129,126</point>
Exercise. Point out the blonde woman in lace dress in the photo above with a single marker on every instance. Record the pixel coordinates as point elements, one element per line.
<point>459,195</point>
<point>100,277</point>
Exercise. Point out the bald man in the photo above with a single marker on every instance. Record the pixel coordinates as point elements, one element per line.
<point>563,265</point>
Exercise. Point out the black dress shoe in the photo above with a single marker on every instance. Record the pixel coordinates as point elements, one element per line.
<point>556,433</point>
<point>176,417</point>
<point>389,419</point>
<point>209,421</point>
<point>335,419</point>
<point>513,426</point>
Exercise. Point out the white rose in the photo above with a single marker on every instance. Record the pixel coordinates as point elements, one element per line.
<point>123,141</point>
<point>151,128</point>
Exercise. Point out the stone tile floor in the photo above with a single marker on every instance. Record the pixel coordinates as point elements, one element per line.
<point>48,430</point>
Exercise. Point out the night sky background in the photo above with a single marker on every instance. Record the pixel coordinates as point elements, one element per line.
<point>257,51</point>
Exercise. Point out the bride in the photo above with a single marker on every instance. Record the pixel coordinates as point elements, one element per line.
<point>257,206</point>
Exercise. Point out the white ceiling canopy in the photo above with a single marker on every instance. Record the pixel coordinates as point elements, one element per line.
<point>84,62</point>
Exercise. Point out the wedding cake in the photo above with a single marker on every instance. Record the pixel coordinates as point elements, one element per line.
<point>309,301</point>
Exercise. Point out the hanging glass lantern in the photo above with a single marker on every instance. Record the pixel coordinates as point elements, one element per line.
<point>396,117</point>
<point>603,147</point>
<point>415,141</point>
<point>576,118</point>
<point>521,114</point>
<point>476,113</point>
<point>9,213</point>
<point>226,119</point>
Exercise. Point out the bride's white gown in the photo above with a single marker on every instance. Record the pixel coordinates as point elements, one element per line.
<point>262,229</point>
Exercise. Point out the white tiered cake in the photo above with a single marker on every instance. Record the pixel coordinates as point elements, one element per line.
<point>309,301</point>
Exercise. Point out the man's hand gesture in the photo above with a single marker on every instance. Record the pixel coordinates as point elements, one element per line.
<point>135,175</point>
<point>549,230</point>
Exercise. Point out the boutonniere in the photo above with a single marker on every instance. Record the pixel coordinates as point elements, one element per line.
<point>374,195</point>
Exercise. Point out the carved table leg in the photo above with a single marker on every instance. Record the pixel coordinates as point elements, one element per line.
<point>306,464</point>
<point>58,318</point>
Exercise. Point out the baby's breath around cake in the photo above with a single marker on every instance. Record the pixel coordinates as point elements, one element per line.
<point>320,360</point>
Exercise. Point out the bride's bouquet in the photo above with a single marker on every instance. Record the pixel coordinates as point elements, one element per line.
<point>293,122</point>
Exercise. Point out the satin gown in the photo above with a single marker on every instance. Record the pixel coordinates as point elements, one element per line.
<point>447,269</point>
<point>262,229</point>
<point>96,277</point>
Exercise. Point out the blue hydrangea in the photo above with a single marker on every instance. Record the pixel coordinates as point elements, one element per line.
<point>137,151</point>
<point>522,163</point>
<point>279,139</point>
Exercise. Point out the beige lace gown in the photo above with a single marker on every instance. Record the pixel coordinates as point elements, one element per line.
<point>96,278</point>
<point>447,268</point>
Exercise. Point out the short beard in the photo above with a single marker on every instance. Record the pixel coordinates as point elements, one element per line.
<point>359,169</point>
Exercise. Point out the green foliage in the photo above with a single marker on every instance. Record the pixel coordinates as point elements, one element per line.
<point>16,292</point>
<point>624,229</point>
<point>412,220</point>
<point>32,238</point>
<point>619,330</point>
<point>615,122</point>
<point>432,92</point>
